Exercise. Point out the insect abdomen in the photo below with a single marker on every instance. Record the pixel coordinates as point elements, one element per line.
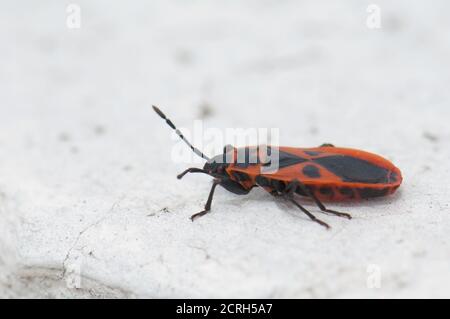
<point>342,192</point>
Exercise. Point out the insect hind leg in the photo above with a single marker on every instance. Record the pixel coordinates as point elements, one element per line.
<point>311,216</point>
<point>289,194</point>
<point>319,204</point>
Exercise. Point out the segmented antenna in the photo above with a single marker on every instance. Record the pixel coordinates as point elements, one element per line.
<point>169,122</point>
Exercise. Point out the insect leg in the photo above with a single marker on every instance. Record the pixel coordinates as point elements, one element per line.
<point>291,188</point>
<point>209,201</point>
<point>192,170</point>
<point>313,218</point>
<point>319,203</point>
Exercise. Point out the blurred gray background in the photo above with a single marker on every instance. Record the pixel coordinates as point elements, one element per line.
<point>89,203</point>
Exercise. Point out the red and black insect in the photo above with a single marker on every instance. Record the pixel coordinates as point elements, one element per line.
<point>324,173</point>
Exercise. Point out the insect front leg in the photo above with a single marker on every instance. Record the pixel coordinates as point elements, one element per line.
<point>192,170</point>
<point>209,201</point>
<point>290,190</point>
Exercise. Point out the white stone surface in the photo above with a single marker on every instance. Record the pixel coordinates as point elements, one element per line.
<point>88,186</point>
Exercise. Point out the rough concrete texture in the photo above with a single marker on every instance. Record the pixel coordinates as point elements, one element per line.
<point>89,202</point>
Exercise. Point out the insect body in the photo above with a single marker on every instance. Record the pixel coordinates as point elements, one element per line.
<point>324,173</point>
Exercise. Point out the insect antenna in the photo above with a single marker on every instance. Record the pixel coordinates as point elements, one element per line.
<point>177,131</point>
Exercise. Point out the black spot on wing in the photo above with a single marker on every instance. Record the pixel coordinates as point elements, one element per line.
<point>247,156</point>
<point>311,189</point>
<point>312,153</point>
<point>346,191</point>
<point>287,159</point>
<point>352,169</point>
<point>311,171</point>
<point>326,191</point>
<point>372,192</point>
